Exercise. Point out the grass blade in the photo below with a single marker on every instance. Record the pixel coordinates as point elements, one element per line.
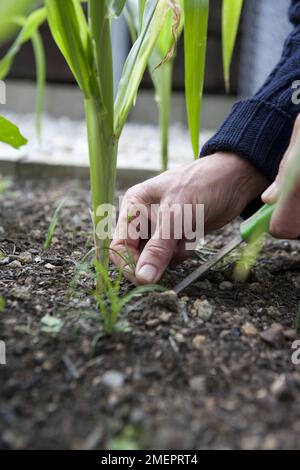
<point>195,38</point>
<point>53,225</point>
<point>10,134</point>
<point>231,13</point>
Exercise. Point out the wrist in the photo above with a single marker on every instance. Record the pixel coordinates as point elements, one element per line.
<point>248,180</point>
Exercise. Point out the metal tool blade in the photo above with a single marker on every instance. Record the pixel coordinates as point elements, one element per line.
<point>193,277</point>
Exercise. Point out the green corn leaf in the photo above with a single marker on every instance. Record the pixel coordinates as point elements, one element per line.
<point>115,7</point>
<point>131,13</point>
<point>70,31</point>
<point>8,11</point>
<point>40,61</point>
<point>195,38</point>
<point>231,13</point>
<point>137,61</point>
<point>29,28</point>
<point>100,30</point>
<point>10,134</point>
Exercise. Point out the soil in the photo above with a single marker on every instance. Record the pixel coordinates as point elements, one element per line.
<point>208,371</point>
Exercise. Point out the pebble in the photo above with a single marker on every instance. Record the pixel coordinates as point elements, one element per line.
<point>290,335</point>
<point>50,266</point>
<point>168,300</point>
<point>25,257</point>
<point>248,329</point>
<point>198,341</point>
<point>36,234</point>
<point>20,293</point>
<point>274,336</point>
<point>281,388</point>
<point>243,311</point>
<point>226,285</point>
<point>203,309</point>
<point>113,379</point>
<point>165,317</point>
<point>153,322</point>
<point>15,264</point>
<point>198,384</point>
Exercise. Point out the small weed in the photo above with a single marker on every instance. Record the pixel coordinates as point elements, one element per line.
<point>297,321</point>
<point>53,225</point>
<point>109,299</point>
<point>2,304</point>
<point>127,440</point>
<point>51,325</point>
<point>5,185</point>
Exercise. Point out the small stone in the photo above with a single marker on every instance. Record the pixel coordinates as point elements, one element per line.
<point>198,384</point>
<point>198,341</point>
<point>153,322</point>
<point>179,338</point>
<point>4,261</point>
<point>281,388</point>
<point>50,266</point>
<point>226,285</point>
<point>274,336</point>
<point>243,311</point>
<point>25,258</point>
<point>165,317</point>
<point>20,293</point>
<point>36,234</point>
<point>15,264</point>
<point>168,300</point>
<point>248,329</point>
<point>203,309</point>
<point>290,335</point>
<point>113,379</point>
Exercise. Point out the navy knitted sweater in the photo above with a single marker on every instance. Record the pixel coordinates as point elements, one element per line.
<point>259,129</point>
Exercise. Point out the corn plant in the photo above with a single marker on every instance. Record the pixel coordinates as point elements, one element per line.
<point>160,63</point>
<point>85,43</point>
<point>110,300</point>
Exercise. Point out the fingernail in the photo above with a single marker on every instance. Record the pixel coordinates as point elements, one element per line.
<point>271,193</point>
<point>148,273</point>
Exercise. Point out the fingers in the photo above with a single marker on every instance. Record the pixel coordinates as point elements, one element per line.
<point>285,222</point>
<point>154,260</point>
<point>125,242</point>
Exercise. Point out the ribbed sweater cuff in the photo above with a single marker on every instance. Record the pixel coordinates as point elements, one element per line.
<point>256,130</point>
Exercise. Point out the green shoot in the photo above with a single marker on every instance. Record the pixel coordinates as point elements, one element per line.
<point>297,321</point>
<point>110,301</point>
<point>231,14</point>
<point>2,304</point>
<point>53,225</point>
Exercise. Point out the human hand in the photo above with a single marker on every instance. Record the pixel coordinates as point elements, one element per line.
<point>285,222</point>
<point>224,183</point>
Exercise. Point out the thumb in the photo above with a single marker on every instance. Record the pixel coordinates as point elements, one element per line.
<point>154,260</point>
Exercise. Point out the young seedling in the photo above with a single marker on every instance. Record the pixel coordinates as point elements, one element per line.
<point>110,301</point>
<point>2,304</point>
<point>53,225</point>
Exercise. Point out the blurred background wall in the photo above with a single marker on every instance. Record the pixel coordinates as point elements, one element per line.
<point>263,30</point>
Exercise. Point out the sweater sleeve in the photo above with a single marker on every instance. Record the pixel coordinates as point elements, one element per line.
<point>259,129</point>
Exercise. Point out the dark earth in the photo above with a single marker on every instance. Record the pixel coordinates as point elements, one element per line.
<point>211,370</point>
